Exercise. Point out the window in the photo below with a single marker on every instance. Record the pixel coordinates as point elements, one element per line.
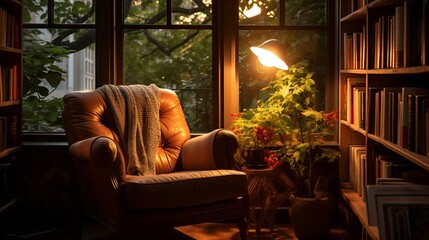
<point>300,25</point>
<point>185,45</point>
<point>59,49</point>
<point>169,43</point>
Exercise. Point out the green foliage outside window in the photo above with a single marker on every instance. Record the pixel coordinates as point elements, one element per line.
<point>180,59</point>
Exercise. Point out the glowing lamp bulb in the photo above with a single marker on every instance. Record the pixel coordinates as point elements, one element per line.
<point>268,58</point>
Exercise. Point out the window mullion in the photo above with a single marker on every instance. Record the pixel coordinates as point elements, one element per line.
<point>229,85</point>
<point>169,12</point>
<point>282,13</point>
<point>51,12</point>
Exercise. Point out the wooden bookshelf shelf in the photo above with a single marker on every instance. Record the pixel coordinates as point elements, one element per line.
<point>10,103</point>
<point>9,151</point>
<point>358,206</point>
<point>10,50</point>
<point>359,14</point>
<point>353,127</point>
<point>354,71</point>
<point>408,70</point>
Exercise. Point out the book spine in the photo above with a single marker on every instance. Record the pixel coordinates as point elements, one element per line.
<point>399,36</point>
<point>12,137</point>
<point>411,122</point>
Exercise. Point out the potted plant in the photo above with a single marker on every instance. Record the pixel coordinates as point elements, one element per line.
<point>296,147</point>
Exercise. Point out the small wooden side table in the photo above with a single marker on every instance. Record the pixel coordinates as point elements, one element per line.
<point>263,197</point>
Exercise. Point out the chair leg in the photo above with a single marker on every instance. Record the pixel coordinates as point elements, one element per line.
<point>242,226</point>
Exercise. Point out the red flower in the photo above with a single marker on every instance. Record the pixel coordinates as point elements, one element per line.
<point>330,118</point>
<point>264,134</point>
<point>272,159</point>
<point>236,115</point>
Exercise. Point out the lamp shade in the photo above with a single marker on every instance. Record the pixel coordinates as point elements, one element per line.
<point>271,53</point>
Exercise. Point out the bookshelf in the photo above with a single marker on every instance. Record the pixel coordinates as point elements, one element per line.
<point>384,45</point>
<point>10,106</point>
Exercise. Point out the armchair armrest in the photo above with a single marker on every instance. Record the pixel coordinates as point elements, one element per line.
<point>100,169</point>
<point>214,150</point>
<point>103,152</point>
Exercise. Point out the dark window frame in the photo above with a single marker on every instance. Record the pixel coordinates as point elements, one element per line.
<point>109,54</point>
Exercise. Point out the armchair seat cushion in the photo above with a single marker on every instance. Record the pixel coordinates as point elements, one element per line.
<point>183,189</point>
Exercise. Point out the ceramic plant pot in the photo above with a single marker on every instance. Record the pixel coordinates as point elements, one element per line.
<point>311,218</point>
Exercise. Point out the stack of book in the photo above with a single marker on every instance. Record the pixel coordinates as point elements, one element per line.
<point>8,83</point>
<point>400,211</point>
<point>8,29</point>
<point>392,36</point>
<point>357,168</point>
<point>356,101</point>
<point>8,127</point>
<point>401,116</point>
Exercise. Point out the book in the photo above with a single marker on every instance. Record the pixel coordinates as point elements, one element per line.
<point>422,146</point>
<point>357,167</point>
<point>377,114</point>
<point>377,44</point>
<point>388,111</point>
<point>362,173</point>
<point>393,111</point>
<point>405,126</point>
<point>3,133</point>
<point>374,192</point>
<point>359,104</point>
<point>419,124</point>
<point>8,86</point>
<point>425,33</point>
<point>403,217</point>
<point>382,166</point>
<point>414,30</point>
<point>374,110</point>
<point>392,166</point>
<point>392,181</point>
<point>426,128</point>
<point>12,128</point>
<point>5,83</point>
<point>1,83</point>
<point>352,83</point>
<point>399,36</point>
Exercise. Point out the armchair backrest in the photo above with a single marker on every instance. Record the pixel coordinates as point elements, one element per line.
<point>87,114</point>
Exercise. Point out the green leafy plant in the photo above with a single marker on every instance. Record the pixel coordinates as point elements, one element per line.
<point>41,77</point>
<point>300,129</point>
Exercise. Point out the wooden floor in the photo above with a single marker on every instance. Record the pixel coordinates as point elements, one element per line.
<point>210,231</point>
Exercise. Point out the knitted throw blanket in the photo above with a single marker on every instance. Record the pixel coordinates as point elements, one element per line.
<point>136,111</point>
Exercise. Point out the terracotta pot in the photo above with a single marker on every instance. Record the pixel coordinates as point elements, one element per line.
<point>311,218</point>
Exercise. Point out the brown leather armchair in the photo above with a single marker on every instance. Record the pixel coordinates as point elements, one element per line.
<point>196,180</point>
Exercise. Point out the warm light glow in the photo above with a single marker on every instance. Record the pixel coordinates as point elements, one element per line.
<point>268,58</point>
<point>254,11</point>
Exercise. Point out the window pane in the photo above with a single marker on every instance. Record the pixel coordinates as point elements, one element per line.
<point>300,45</point>
<point>305,12</point>
<point>252,12</point>
<point>74,11</point>
<point>176,59</point>
<point>145,12</point>
<point>34,11</point>
<point>52,70</point>
<point>192,12</point>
